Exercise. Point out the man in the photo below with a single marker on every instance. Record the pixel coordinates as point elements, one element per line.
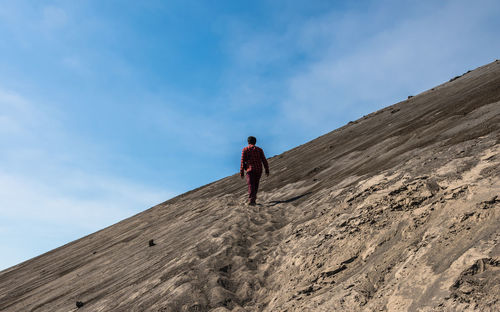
<point>252,158</point>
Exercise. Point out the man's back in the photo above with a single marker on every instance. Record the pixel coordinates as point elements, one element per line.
<point>252,158</point>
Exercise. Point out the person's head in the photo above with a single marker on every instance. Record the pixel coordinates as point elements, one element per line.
<point>252,140</point>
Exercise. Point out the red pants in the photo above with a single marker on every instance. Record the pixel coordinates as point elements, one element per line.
<point>253,178</point>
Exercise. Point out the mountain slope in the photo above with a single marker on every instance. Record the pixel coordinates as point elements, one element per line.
<point>398,211</point>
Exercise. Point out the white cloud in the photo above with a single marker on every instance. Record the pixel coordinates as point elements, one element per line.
<point>48,180</point>
<point>87,201</point>
<point>194,131</point>
<point>12,109</point>
<point>27,23</point>
<point>43,163</point>
<point>398,60</point>
<point>343,64</point>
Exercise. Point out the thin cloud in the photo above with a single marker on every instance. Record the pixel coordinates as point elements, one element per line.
<point>402,59</point>
<point>47,179</point>
<point>312,75</point>
<point>86,200</point>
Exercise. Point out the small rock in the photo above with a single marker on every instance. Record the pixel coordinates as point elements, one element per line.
<point>489,203</point>
<point>335,271</point>
<point>493,200</point>
<point>79,304</point>
<point>151,243</point>
<point>349,286</point>
<point>307,291</point>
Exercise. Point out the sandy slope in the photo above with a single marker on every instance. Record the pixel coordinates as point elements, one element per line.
<point>397,211</point>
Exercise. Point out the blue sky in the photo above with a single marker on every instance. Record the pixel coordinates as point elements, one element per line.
<point>110,107</point>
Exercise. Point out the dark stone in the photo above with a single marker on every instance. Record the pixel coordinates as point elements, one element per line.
<point>349,260</point>
<point>333,272</point>
<point>493,200</point>
<point>433,186</point>
<point>79,304</point>
<point>306,291</point>
<point>399,190</point>
<point>151,243</point>
<point>489,203</point>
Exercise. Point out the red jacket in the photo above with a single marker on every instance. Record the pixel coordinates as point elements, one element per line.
<point>252,158</point>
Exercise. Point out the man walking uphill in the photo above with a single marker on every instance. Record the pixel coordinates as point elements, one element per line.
<point>252,158</point>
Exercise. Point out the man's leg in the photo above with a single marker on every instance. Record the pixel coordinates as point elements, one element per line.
<point>256,181</point>
<point>250,183</point>
<point>253,185</point>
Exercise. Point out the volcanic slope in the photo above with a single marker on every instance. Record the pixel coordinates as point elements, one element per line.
<point>397,211</point>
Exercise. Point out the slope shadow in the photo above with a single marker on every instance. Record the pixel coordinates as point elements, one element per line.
<point>275,202</point>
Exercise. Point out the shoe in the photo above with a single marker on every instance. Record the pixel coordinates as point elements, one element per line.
<point>252,203</point>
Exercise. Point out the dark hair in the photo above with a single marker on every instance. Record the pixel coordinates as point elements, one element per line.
<point>251,140</point>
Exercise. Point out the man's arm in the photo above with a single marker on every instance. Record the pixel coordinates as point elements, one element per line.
<point>243,163</point>
<point>264,161</point>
